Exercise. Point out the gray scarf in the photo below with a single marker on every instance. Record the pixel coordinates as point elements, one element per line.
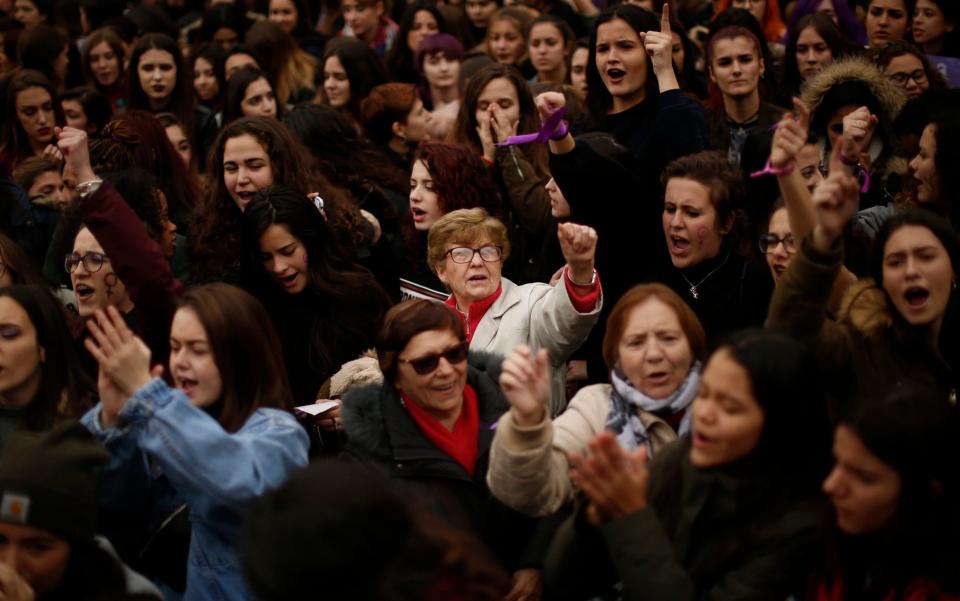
<point>625,400</point>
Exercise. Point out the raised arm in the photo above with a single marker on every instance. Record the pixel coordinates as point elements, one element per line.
<point>802,296</point>
<point>561,319</point>
<point>529,470</point>
<point>203,461</point>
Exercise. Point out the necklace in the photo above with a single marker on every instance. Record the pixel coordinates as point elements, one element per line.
<point>693,287</point>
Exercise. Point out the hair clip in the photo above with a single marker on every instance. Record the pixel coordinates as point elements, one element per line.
<point>317,201</point>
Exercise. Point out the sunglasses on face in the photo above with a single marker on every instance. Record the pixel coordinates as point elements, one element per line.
<point>429,363</point>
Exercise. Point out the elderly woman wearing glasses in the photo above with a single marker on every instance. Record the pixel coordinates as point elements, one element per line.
<point>467,249</point>
<point>429,425</point>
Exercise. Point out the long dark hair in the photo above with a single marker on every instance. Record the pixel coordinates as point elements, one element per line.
<point>465,129</point>
<point>213,54</point>
<point>65,390</point>
<point>237,91</point>
<point>215,233</point>
<point>342,304</point>
<point>599,99</point>
<point>181,98</point>
<point>400,58</point>
<point>245,348</point>
<point>345,157</point>
<point>796,429</point>
<point>14,142</point>
<point>116,45</point>
<point>38,49</point>
<point>826,29</point>
<point>913,431</point>
<point>364,69</point>
<point>937,225</point>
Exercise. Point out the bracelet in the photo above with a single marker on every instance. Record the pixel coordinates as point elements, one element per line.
<point>769,169</point>
<point>846,161</point>
<point>860,171</point>
<point>593,279</point>
<point>89,186</point>
<point>561,131</point>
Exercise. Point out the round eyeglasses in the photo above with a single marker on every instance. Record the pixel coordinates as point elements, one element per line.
<point>92,261</point>
<point>464,254</point>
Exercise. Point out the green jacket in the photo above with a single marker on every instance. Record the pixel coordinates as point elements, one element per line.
<point>707,534</point>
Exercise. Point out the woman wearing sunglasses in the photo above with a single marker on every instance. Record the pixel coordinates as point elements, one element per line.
<point>429,424</point>
<point>467,249</point>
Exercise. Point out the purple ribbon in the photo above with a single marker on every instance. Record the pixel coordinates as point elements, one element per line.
<point>542,136</point>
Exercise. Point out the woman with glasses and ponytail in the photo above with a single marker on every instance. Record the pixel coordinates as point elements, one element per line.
<point>429,424</point>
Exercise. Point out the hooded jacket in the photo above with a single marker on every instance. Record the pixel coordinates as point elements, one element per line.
<point>869,351</point>
<point>887,167</point>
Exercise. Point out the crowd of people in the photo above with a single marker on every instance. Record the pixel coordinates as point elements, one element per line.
<point>479,300</point>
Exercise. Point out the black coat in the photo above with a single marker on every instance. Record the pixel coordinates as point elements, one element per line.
<point>380,430</point>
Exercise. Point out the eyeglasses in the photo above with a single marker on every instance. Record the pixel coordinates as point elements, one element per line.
<point>463,254</point>
<point>900,79</point>
<point>429,363</point>
<point>769,243</point>
<point>92,261</point>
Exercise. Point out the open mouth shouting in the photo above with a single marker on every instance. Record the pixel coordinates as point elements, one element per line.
<point>84,293</point>
<point>615,75</point>
<point>679,246</point>
<point>187,385</point>
<point>916,297</point>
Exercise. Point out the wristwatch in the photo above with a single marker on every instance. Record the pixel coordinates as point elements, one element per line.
<point>88,187</point>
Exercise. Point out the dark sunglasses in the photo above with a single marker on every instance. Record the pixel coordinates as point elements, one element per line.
<point>429,363</point>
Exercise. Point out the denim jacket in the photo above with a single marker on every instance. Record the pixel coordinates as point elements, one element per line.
<point>214,472</point>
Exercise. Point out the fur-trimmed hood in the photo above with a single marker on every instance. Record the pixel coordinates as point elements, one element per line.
<point>889,97</point>
<point>363,414</point>
<point>865,307</point>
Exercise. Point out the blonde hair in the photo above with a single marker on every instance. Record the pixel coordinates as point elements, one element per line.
<point>465,226</point>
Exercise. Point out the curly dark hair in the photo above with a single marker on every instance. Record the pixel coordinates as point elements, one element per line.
<point>215,230</point>
<point>342,304</point>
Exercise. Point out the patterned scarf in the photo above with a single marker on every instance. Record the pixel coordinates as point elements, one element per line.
<point>625,400</point>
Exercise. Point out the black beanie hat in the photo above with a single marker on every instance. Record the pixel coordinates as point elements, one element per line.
<point>47,480</point>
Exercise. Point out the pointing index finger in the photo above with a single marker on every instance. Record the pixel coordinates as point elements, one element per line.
<point>665,19</point>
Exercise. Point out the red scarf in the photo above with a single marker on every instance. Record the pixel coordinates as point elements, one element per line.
<point>461,443</point>
<point>471,319</point>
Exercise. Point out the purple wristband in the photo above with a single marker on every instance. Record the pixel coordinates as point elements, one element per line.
<point>769,169</point>
<point>553,125</point>
<point>561,131</point>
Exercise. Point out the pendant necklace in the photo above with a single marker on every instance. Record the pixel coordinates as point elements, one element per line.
<point>693,287</point>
